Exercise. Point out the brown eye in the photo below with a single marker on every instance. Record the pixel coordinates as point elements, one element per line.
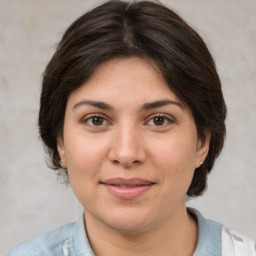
<point>95,121</point>
<point>159,120</point>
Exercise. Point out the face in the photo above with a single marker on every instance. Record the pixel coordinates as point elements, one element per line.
<point>130,146</point>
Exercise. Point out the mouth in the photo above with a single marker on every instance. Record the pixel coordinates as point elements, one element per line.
<point>127,189</point>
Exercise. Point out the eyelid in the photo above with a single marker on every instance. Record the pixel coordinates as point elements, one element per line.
<point>87,117</point>
<point>165,116</point>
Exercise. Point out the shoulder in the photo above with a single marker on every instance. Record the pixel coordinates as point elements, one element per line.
<point>49,243</point>
<point>236,242</point>
<point>215,239</point>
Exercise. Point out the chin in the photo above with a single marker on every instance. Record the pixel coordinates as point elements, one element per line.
<point>129,221</point>
<point>129,228</point>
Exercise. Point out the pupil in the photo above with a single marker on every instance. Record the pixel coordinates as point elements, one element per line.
<point>158,120</point>
<point>97,121</point>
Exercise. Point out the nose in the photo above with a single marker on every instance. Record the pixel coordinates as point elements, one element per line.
<point>127,149</point>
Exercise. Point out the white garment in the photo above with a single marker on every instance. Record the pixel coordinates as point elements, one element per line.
<point>237,244</point>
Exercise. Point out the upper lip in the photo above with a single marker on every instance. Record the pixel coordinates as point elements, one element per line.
<point>130,182</point>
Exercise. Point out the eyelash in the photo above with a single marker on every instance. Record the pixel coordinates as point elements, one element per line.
<point>166,119</point>
<point>90,117</point>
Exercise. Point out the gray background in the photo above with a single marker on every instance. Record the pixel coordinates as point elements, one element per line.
<point>31,199</point>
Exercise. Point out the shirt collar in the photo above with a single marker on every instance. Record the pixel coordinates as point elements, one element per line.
<point>79,244</point>
<point>209,237</point>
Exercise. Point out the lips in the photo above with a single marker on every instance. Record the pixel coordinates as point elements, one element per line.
<point>127,189</point>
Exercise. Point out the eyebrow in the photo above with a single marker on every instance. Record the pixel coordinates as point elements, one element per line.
<point>160,103</point>
<point>97,104</point>
<point>146,106</point>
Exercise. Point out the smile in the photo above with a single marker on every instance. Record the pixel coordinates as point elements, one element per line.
<point>127,189</point>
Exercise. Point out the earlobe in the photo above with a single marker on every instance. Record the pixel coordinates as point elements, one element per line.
<point>61,151</point>
<point>203,148</point>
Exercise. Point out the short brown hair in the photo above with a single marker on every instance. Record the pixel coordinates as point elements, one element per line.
<point>144,29</point>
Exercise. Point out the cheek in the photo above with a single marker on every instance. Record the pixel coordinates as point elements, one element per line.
<point>175,161</point>
<point>84,155</point>
<point>84,164</point>
<point>174,151</point>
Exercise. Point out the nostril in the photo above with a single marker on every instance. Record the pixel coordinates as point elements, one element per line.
<point>116,162</point>
<point>126,154</point>
<point>126,164</point>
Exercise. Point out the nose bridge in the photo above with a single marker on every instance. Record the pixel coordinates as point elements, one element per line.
<point>127,148</point>
<point>126,138</point>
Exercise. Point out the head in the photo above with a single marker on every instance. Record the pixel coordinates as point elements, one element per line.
<point>150,31</point>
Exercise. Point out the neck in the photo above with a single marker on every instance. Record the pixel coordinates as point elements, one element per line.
<point>176,236</point>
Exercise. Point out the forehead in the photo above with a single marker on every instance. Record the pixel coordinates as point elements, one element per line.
<point>131,79</point>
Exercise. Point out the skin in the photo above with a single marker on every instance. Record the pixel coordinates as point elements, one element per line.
<point>128,140</point>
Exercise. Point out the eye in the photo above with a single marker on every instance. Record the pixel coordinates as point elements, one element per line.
<point>95,120</point>
<point>160,120</point>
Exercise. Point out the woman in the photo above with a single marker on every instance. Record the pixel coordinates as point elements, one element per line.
<point>133,114</point>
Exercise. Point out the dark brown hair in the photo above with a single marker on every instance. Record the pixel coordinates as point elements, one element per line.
<point>145,29</point>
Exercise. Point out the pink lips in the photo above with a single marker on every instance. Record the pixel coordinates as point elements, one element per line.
<point>127,188</point>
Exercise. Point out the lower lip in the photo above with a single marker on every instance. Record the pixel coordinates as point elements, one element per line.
<point>127,193</point>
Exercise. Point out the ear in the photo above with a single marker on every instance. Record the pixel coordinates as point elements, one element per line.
<point>203,148</point>
<point>61,151</point>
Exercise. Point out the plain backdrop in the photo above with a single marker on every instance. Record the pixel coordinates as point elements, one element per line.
<point>32,201</point>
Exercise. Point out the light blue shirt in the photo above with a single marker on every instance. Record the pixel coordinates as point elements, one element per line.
<point>71,240</point>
